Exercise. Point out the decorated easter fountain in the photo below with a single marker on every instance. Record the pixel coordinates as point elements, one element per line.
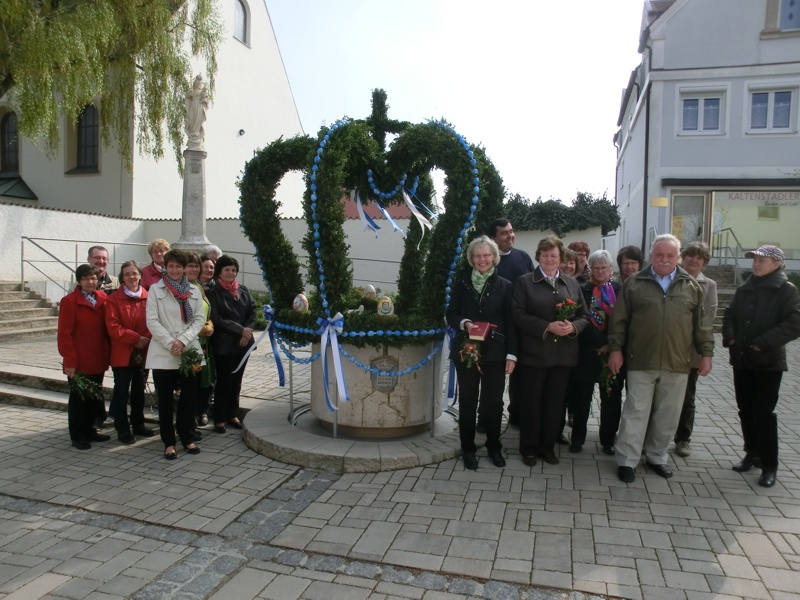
<point>376,371</point>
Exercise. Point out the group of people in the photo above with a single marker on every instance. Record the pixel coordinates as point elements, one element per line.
<point>184,316</point>
<point>566,325</point>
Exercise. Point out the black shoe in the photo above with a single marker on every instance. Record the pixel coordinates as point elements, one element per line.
<point>609,450</point>
<point>661,470</point>
<point>81,444</point>
<point>626,474</point>
<point>562,439</point>
<point>470,461</point>
<point>99,437</point>
<point>767,478</point>
<point>480,427</point>
<point>126,438</point>
<point>235,424</point>
<point>529,460</point>
<point>143,431</point>
<point>171,455</point>
<point>219,428</point>
<point>497,458</point>
<point>193,449</point>
<point>746,463</point>
<point>575,448</point>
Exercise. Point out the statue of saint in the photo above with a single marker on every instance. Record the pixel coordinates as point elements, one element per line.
<point>196,106</point>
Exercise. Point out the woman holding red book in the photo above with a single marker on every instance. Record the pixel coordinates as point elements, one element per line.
<point>480,295</point>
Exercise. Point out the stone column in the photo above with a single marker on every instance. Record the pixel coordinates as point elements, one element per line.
<point>193,223</point>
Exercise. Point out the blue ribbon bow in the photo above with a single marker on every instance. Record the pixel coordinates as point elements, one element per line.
<point>329,329</point>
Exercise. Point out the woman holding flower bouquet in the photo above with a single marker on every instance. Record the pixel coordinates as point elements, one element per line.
<point>600,294</point>
<point>550,312</point>
<point>126,322</point>
<point>175,317</point>
<point>481,295</point>
<point>83,344</point>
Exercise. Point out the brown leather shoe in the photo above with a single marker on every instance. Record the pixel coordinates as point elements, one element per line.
<point>529,460</point>
<point>550,458</point>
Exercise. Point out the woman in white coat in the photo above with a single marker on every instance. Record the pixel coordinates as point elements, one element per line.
<point>175,316</point>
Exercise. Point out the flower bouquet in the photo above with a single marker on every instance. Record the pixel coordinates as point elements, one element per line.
<point>566,309</point>
<point>86,388</point>
<point>137,358</point>
<point>607,379</point>
<point>470,354</point>
<point>191,362</point>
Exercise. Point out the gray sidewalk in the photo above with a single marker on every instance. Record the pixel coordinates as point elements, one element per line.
<point>119,521</point>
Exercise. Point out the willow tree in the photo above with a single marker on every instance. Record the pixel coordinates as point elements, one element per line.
<point>132,59</point>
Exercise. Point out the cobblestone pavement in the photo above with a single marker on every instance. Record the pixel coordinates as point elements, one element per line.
<point>120,522</point>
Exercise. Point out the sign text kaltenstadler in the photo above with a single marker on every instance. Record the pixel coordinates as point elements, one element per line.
<point>767,198</point>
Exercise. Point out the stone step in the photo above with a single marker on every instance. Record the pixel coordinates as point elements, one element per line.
<point>28,323</point>
<point>36,398</point>
<point>28,313</point>
<point>13,295</point>
<point>21,304</point>
<point>9,286</point>
<point>21,334</point>
<point>44,379</point>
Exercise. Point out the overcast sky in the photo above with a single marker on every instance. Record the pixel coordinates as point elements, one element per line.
<point>537,83</point>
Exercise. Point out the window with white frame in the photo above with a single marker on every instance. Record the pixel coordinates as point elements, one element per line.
<point>790,14</point>
<point>702,113</point>
<point>772,110</point>
<point>240,22</point>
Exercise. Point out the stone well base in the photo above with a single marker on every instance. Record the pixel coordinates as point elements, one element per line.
<point>381,406</point>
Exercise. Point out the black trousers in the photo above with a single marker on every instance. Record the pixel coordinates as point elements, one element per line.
<point>166,380</point>
<point>228,387</point>
<point>611,409</point>
<point>128,385</point>
<point>757,397</point>
<point>686,422</point>
<point>81,413</point>
<point>542,397</point>
<point>486,388</point>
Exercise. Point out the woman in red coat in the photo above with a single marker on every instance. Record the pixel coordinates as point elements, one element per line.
<point>126,322</point>
<point>83,344</point>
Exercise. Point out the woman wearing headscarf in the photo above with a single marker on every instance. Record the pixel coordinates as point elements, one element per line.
<point>481,295</point>
<point>763,317</point>
<point>174,317</point>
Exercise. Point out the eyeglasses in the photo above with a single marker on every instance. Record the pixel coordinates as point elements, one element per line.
<point>604,268</point>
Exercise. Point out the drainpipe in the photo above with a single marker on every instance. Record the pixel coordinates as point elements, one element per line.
<point>646,166</point>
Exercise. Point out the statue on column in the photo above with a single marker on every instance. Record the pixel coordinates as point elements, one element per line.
<point>196,106</point>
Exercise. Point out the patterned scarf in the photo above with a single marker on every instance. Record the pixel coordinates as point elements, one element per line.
<point>182,292</point>
<point>232,287</point>
<point>479,280</point>
<point>90,297</point>
<point>602,304</point>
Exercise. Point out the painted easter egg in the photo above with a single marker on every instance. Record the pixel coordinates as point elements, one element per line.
<point>385,306</point>
<point>300,303</point>
<point>369,291</point>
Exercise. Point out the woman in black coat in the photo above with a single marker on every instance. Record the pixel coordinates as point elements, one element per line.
<point>233,313</point>
<point>549,312</point>
<point>763,317</point>
<point>481,296</point>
